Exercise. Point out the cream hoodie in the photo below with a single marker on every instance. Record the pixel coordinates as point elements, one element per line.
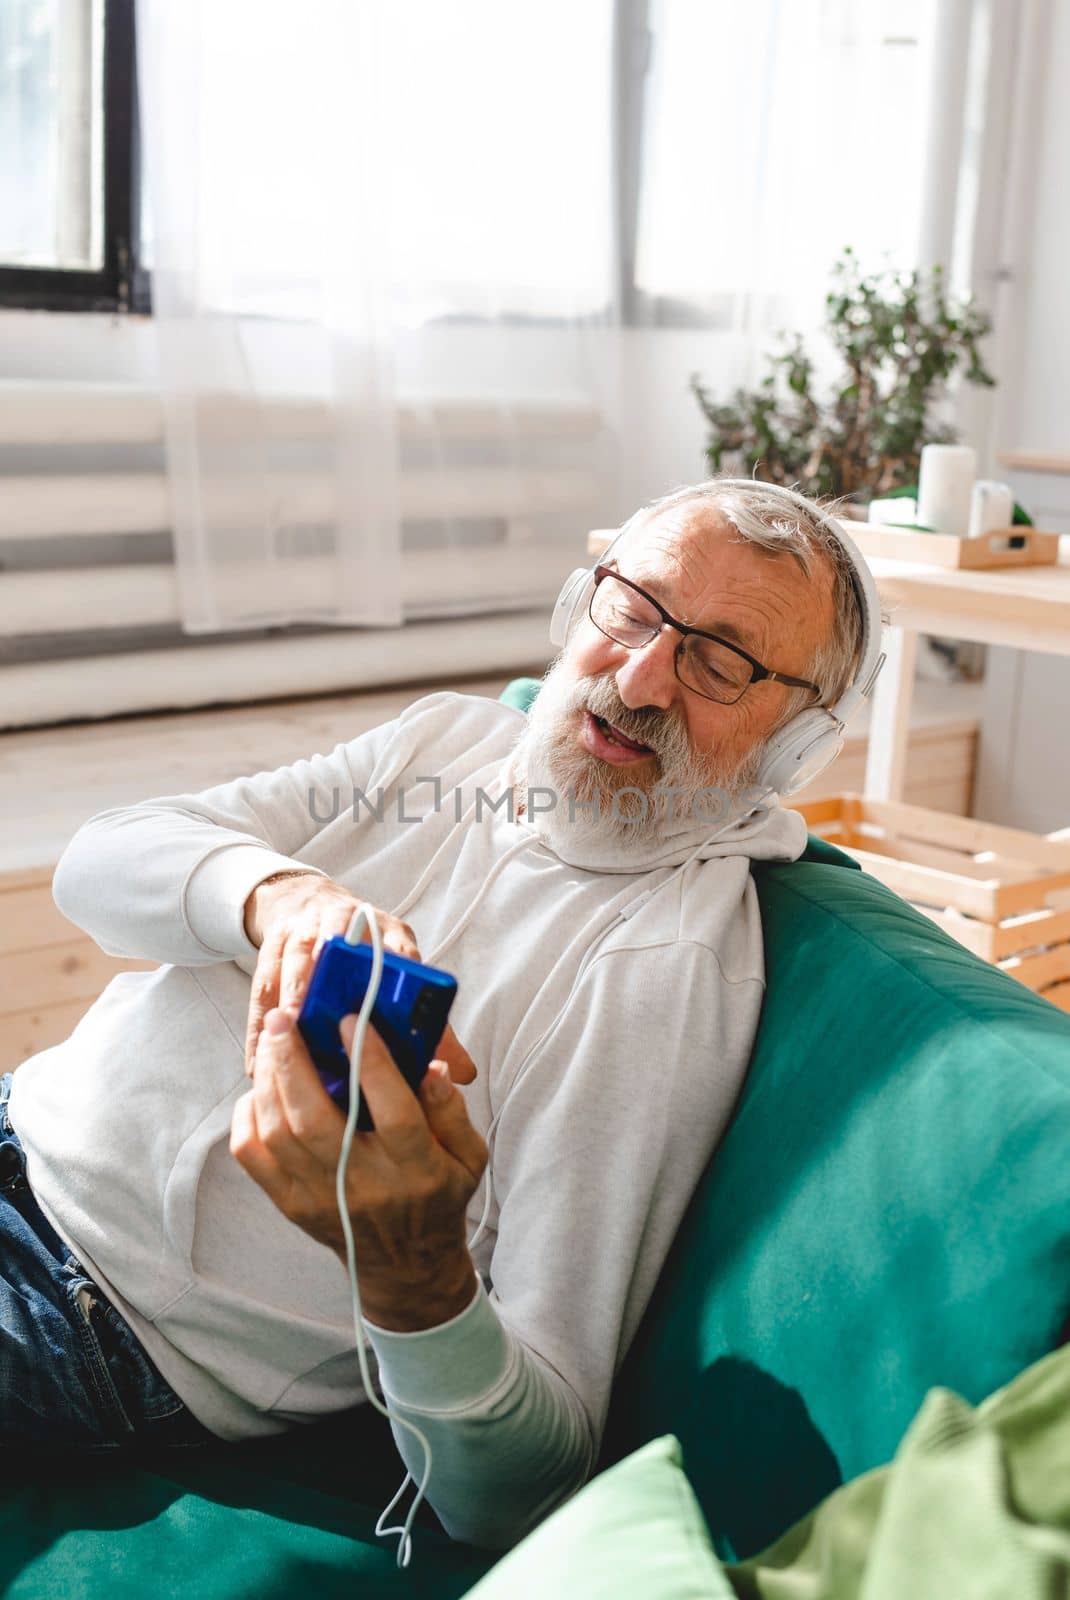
<point>610,1010</point>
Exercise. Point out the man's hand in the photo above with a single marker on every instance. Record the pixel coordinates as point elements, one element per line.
<point>408,1184</point>
<point>290,917</point>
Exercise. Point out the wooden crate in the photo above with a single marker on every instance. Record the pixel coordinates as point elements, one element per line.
<point>1001,892</point>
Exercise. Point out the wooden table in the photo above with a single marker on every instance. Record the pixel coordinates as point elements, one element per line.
<point>1025,607</point>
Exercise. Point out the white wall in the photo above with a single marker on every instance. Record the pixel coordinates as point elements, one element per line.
<point>1039,415</point>
<point>663,432</point>
<point>1023,774</point>
<point>1023,758</point>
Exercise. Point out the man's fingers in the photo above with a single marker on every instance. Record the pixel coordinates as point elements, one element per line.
<point>450,1050</point>
<point>264,993</point>
<point>296,967</point>
<point>248,1149</point>
<point>291,1185</point>
<point>301,952</point>
<point>400,1125</point>
<point>296,1106</point>
<point>447,1117</point>
<point>272,1122</point>
<point>291,947</point>
<point>399,937</point>
<point>332,927</point>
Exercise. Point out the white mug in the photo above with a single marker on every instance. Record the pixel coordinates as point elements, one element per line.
<point>991,506</point>
<point>945,483</point>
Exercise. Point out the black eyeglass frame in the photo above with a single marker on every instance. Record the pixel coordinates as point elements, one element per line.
<point>758,671</point>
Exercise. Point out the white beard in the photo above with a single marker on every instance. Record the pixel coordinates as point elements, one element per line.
<point>548,756</point>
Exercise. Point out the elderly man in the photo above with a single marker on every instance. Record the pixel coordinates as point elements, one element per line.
<point>585,875</point>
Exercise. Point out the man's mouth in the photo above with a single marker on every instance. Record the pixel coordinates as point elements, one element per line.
<point>607,741</point>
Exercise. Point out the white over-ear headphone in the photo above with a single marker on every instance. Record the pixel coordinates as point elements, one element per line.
<point>806,745</point>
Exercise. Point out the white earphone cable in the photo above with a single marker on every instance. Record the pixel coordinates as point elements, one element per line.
<point>365,917</point>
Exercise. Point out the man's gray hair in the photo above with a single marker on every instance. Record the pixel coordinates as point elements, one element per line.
<point>762,516</point>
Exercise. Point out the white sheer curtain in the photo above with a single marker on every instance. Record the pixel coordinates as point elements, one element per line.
<point>382,279</point>
<point>385,269</point>
<point>776,133</point>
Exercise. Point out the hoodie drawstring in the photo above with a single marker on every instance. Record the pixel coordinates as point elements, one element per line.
<point>459,926</point>
<point>429,870</point>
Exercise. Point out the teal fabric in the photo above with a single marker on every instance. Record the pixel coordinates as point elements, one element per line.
<point>273,1519</point>
<point>888,1212</point>
<point>520,693</point>
<point>634,1531</point>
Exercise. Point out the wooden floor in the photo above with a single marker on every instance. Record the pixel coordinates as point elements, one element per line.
<point>53,779</point>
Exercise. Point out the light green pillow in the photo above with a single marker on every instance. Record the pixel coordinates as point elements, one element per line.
<point>634,1530</point>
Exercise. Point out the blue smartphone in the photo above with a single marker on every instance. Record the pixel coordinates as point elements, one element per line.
<point>409,1014</point>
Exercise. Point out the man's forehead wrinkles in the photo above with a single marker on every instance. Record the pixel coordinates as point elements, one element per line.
<point>695,562</point>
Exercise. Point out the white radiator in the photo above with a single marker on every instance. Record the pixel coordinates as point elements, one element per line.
<point>89,611</point>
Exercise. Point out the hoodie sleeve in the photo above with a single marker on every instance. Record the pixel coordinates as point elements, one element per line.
<point>167,879</point>
<point>601,1142</point>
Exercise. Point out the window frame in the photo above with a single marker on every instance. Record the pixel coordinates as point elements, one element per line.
<point>120,285</point>
<point>124,284</point>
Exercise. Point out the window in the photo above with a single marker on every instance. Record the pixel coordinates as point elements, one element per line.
<point>67,155</point>
<point>721,183</point>
<point>465,149</point>
<point>773,135</point>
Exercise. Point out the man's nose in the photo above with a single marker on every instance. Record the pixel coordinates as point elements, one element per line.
<point>647,675</point>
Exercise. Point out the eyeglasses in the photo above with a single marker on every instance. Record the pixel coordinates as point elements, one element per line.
<point>703,662</point>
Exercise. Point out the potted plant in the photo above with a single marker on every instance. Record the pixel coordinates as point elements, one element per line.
<point>899,337</point>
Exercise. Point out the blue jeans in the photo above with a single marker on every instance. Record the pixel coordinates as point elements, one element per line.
<point>73,1375</point>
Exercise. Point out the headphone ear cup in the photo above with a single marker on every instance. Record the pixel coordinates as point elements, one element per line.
<point>572,599</point>
<point>802,750</point>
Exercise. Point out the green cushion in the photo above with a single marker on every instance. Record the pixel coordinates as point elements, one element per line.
<point>636,1530</point>
<point>889,1210</point>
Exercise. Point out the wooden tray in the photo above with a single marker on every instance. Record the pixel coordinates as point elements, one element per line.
<point>1002,892</point>
<point>1003,547</point>
<point>1030,548</point>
